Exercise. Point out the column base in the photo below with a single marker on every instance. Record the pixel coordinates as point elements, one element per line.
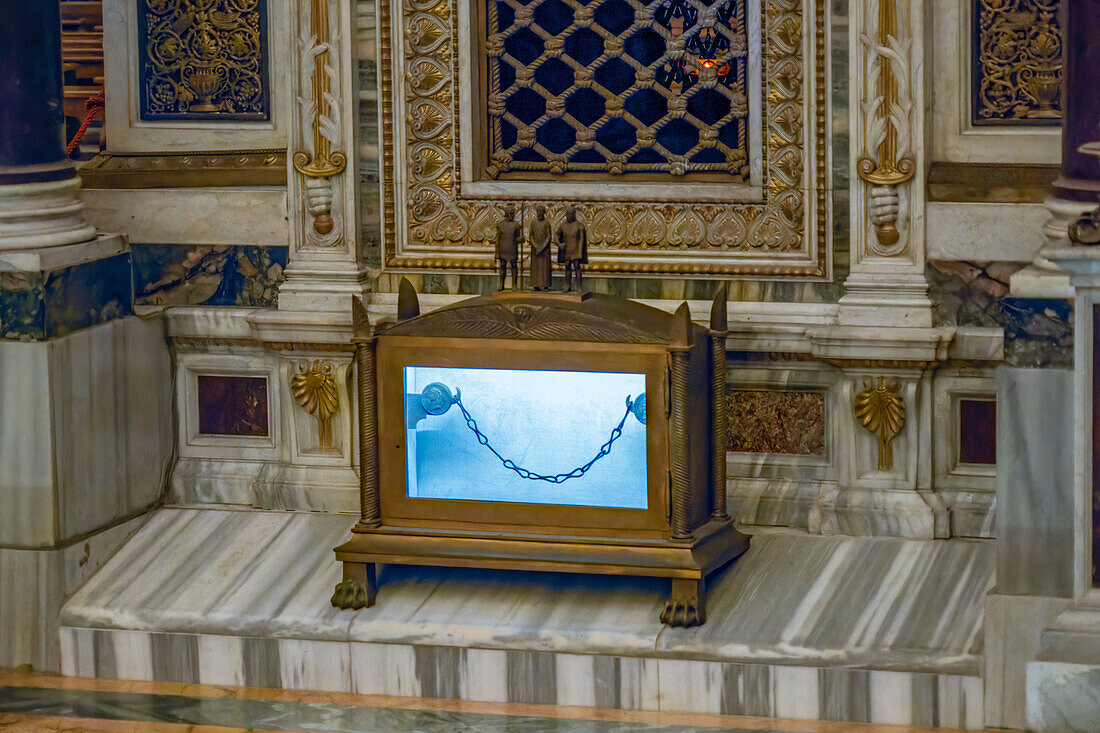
<point>1042,278</point>
<point>42,214</point>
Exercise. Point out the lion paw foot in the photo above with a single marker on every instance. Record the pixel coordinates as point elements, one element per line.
<point>351,594</point>
<point>682,612</point>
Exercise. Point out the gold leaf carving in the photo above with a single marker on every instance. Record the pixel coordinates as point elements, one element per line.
<point>314,387</point>
<point>880,408</point>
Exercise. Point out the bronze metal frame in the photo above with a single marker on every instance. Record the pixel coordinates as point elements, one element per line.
<point>683,534</point>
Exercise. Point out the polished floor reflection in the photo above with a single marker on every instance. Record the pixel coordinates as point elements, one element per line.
<point>40,703</point>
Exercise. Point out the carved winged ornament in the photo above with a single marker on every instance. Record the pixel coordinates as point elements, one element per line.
<point>315,389</point>
<point>880,408</point>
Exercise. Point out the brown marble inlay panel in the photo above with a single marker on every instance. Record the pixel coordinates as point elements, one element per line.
<point>776,421</point>
<point>978,431</point>
<point>232,405</point>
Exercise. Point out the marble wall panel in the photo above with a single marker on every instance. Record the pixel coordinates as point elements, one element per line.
<point>167,274</point>
<point>45,305</point>
<point>85,440</point>
<point>1062,697</point>
<point>1035,481</point>
<point>776,421</point>
<point>1038,332</point>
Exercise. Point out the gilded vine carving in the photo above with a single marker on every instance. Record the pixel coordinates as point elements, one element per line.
<point>1017,61</point>
<point>443,228</point>
<point>203,59</point>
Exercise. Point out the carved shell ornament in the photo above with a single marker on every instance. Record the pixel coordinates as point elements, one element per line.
<point>880,408</point>
<point>314,387</point>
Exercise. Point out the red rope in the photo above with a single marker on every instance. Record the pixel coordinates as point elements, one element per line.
<point>94,104</point>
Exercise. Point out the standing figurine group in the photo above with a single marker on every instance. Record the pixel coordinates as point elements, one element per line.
<point>572,248</point>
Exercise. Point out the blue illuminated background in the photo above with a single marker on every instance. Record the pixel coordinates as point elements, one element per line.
<point>548,422</point>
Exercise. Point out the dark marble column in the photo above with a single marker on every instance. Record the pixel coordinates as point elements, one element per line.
<point>1080,101</point>
<point>32,124</point>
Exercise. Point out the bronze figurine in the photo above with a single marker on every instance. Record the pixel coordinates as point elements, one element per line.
<point>509,236</point>
<point>539,237</point>
<point>572,248</point>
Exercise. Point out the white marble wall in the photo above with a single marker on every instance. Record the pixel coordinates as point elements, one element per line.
<point>35,583</point>
<point>85,431</point>
<point>1035,482</point>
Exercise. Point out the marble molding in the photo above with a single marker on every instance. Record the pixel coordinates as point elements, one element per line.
<point>969,489</point>
<point>783,637</point>
<point>207,275</point>
<point>1038,331</point>
<point>82,440</point>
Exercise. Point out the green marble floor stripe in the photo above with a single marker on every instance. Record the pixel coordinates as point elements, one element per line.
<point>297,716</point>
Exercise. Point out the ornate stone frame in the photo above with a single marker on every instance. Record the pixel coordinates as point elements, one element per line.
<point>432,220</point>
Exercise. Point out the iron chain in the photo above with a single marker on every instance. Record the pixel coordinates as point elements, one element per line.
<point>531,475</point>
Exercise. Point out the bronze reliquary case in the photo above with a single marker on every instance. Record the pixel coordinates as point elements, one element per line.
<point>543,431</point>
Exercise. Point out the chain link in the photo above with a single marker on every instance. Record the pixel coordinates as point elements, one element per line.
<point>522,472</point>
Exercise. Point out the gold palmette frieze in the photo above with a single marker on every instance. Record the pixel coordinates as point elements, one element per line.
<point>889,169</point>
<point>324,162</point>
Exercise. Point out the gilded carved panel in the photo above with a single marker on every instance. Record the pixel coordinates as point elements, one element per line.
<point>440,212</point>
<point>1017,62</point>
<point>203,59</point>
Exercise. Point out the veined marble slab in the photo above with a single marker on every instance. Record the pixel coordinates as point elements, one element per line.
<point>793,599</point>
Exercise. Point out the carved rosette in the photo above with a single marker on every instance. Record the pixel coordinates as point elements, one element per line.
<point>439,226</point>
<point>887,106</point>
<point>320,159</point>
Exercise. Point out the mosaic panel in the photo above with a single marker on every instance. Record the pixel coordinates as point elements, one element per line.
<point>776,421</point>
<point>232,405</point>
<point>1017,62</point>
<point>978,431</point>
<point>618,87</point>
<point>203,59</point>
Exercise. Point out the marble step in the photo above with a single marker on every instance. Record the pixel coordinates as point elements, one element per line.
<point>837,628</point>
